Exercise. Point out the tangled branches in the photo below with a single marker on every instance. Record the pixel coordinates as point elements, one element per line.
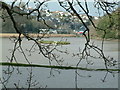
<point>48,51</point>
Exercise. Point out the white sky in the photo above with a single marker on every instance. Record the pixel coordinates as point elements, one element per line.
<point>56,0</point>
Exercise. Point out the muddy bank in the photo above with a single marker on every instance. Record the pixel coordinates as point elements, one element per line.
<point>7,35</point>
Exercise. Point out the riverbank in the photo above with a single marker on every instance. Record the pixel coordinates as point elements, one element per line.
<point>7,35</point>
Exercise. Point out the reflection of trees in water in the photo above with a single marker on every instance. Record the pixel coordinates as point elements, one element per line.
<point>49,50</point>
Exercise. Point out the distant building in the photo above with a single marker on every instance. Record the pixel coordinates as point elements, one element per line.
<point>96,18</point>
<point>47,31</point>
<point>80,32</point>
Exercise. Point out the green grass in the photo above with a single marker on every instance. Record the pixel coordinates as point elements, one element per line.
<point>55,42</point>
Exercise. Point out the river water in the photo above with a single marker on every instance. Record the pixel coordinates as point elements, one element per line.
<point>62,78</point>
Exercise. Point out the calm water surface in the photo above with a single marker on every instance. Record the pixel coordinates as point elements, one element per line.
<point>66,78</point>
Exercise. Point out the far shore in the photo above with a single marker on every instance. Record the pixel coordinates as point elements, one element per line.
<point>7,35</point>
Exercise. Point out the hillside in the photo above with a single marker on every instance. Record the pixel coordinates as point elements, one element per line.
<point>24,24</point>
<point>111,24</point>
<point>60,20</point>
